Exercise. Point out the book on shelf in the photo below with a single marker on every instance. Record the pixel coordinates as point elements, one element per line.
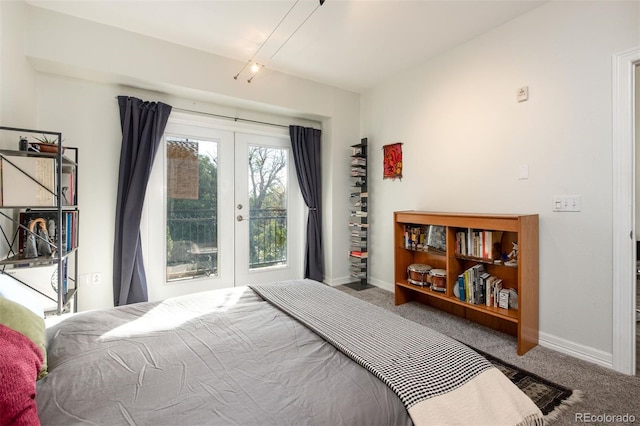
<point>482,288</point>
<point>357,262</point>
<point>490,296</point>
<point>358,161</point>
<point>462,292</point>
<point>359,194</point>
<point>496,289</point>
<point>358,254</point>
<point>27,181</point>
<point>358,225</point>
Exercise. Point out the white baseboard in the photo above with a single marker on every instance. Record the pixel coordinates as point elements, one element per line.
<point>382,284</point>
<point>576,350</point>
<point>338,281</point>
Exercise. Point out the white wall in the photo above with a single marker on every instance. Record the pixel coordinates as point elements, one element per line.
<point>79,69</point>
<point>465,137</point>
<point>17,91</point>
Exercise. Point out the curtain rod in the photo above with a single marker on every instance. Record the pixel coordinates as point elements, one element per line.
<point>246,120</point>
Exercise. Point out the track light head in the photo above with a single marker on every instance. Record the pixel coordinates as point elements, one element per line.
<point>255,67</point>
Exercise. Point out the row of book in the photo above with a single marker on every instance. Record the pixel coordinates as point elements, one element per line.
<point>359,195</point>
<point>358,213</point>
<point>358,225</point>
<point>359,254</point>
<point>478,287</point>
<point>359,161</point>
<point>358,171</point>
<point>358,265</point>
<point>482,244</point>
<point>68,229</point>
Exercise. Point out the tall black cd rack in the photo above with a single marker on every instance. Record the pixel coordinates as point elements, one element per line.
<point>358,223</point>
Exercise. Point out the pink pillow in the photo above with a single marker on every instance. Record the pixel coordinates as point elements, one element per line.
<point>20,362</point>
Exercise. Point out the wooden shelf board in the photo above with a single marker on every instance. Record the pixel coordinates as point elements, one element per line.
<point>510,315</point>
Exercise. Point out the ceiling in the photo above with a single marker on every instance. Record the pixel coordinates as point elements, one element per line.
<point>350,44</point>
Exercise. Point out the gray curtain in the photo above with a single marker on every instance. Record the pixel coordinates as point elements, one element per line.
<point>305,144</point>
<point>143,124</point>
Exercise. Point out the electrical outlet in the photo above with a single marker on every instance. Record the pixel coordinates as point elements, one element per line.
<point>96,278</point>
<point>567,203</point>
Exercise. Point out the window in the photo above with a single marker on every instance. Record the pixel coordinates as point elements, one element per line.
<point>192,208</point>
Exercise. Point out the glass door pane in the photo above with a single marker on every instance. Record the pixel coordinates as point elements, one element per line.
<point>192,208</point>
<point>268,188</point>
<point>269,211</point>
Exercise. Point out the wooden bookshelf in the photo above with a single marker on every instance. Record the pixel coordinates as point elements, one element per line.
<point>523,277</point>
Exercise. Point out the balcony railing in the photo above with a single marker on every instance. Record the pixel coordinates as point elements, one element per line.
<point>192,241</point>
<point>268,238</point>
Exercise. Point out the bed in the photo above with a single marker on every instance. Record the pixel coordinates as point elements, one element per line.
<point>288,353</point>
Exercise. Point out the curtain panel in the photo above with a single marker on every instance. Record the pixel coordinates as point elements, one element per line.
<point>305,145</point>
<point>143,125</point>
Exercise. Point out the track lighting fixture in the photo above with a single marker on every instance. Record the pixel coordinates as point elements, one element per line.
<point>255,66</point>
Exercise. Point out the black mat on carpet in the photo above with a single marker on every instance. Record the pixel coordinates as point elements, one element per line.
<point>551,398</point>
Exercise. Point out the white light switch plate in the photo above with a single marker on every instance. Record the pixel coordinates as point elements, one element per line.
<point>567,203</point>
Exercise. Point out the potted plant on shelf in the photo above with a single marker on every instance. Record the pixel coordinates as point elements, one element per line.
<point>47,144</point>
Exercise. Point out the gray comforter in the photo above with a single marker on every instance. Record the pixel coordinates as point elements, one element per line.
<point>439,380</point>
<point>221,357</point>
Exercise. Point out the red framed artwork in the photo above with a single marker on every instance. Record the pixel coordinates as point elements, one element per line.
<point>392,167</point>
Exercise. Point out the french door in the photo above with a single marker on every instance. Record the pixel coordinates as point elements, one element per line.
<point>222,209</point>
<point>268,211</point>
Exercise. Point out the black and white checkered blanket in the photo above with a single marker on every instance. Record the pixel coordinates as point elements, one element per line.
<point>420,364</point>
